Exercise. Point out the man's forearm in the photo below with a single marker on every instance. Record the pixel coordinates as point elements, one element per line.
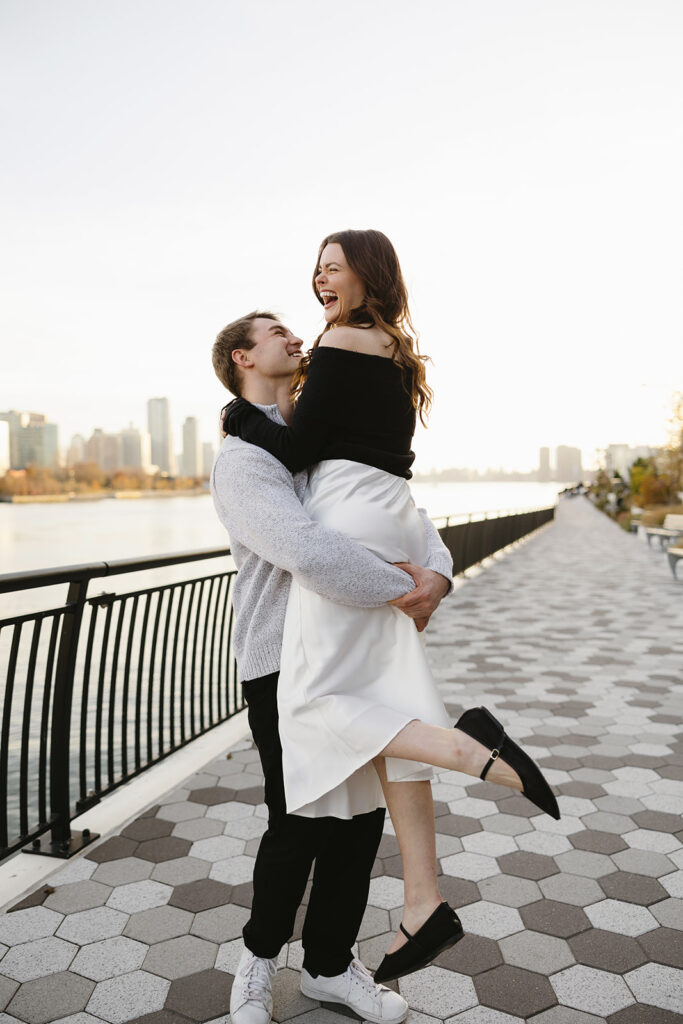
<point>439,558</point>
<point>257,504</point>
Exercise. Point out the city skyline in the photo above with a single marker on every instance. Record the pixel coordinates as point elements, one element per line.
<point>128,448</point>
<point>134,448</point>
<point>533,200</point>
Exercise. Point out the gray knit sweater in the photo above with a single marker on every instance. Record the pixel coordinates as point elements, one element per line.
<point>272,538</point>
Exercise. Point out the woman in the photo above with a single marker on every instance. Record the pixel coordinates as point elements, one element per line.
<point>359,709</point>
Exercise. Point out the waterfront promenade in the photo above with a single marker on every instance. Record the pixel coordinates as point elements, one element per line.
<point>575,640</point>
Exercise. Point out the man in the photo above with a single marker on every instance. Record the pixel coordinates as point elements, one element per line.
<point>272,539</point>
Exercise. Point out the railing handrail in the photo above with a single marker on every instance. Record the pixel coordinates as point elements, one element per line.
<point>33,578</point>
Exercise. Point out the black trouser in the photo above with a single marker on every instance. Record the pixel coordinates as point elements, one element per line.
<point>343,850</point>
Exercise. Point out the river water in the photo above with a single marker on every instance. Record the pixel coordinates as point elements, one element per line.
<point>37,536</point>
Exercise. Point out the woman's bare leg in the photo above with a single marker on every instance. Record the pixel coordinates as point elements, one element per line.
<point>412,813</point>
<point>448,748</point>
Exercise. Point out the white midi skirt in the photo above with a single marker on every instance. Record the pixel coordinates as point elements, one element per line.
<point>352,678</point>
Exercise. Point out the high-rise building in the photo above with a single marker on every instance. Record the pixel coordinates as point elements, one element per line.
<point>208,455</point>
<point>192,459</point>
<point>161,434</point>
<point>544,464</point>
<point>4,447</point>
<point>135,449</point>
<point>28,441</point>
<point>620,457</point>
<point>76,453</point>
<point>105,450</point>
<point>568,464</point>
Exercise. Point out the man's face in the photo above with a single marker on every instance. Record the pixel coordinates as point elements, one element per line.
<point>276,352</point>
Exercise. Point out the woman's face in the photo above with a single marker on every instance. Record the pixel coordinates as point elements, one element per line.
<point>337,285</point>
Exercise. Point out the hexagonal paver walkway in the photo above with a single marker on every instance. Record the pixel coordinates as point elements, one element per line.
<point>575,640</point>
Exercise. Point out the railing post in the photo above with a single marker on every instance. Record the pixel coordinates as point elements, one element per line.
<point>64,843</point>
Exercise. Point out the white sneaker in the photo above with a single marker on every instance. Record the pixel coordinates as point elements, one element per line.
<point>356,988</point>
<point>251,999</point>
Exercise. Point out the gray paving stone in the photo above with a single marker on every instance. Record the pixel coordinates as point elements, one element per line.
<point>92,925</point>
<point>565,1015</point>
<point>109,958</point>
<point>181,870</point>
<point>490,844</point>
<point>120,872</point>
<point>673,883</point>
<point>490,919</point>
<point>288,999</point>
<point>669,913</point>
<point>77,870</point>
<point>245,828</point>
<point>473,866</point>
<point>606,822</point>
<point>138,896</point>
<point>76,896</point>
<point>221,923</point>
<point>184,810</point>
<point>158,924</point>
<point>507,824</point>
<point>585,863</point>
<point>657,985</point>
<point>36,959</point>
<point>510,891</point>
<point>230,811</point>
<point>536,952</point>
<point>198,828</point>
<point>477,1015</point>
<point>620,917</point>
<point>7,989</point>
<point>643,862</point>
<point>573,889</point>
<point>175,958</point>
<point>652,839</point>
<point>386,893</point>
<point>216,848</point>
<point>131,995</point>
<point>47,999</point>
<point>375,922</point>
<point>234,870</point>
<point>587,989</point>
<point>29,924</point>
<point>438,992</point>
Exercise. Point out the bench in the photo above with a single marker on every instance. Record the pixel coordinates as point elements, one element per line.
<point>672,529</point>
<point>674,555</point>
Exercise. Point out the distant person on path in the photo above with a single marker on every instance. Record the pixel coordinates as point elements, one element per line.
<point>358,707</point>
<point>274,539</point>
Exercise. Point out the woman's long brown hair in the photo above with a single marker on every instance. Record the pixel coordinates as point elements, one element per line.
<point>373,258</point>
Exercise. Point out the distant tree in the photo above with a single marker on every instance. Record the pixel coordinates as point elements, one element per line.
<point>90,474</point>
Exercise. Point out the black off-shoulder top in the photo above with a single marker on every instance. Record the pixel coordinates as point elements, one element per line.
<point>353,406</point>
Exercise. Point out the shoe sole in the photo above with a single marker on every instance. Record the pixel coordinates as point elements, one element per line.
<point>325,997</point>
<point>420,965</point>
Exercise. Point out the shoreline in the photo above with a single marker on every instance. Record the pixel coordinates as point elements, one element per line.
<point>71,496</point>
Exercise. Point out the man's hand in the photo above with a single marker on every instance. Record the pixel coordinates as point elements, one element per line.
<point>421,603</point>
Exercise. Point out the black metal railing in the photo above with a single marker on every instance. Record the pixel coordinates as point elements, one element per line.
<point>472,538</point>
<point>102,687</point>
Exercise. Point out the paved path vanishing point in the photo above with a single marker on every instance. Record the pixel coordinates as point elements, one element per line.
<point>575,640</point>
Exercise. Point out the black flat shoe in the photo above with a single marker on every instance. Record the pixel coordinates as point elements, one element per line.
<point>480,724</point>
<point>441,930</point>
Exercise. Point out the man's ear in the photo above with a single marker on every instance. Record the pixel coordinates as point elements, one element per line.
<point>241,356</point>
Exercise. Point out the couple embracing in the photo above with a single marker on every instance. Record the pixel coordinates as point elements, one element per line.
<point>338,575</point>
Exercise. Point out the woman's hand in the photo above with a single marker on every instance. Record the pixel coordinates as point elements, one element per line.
<point>231,415</point>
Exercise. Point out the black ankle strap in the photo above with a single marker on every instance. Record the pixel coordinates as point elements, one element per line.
<point>411,938</point>
<point>495,753</point>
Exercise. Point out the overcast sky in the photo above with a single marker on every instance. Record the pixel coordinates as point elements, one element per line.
<point>169,165</point>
